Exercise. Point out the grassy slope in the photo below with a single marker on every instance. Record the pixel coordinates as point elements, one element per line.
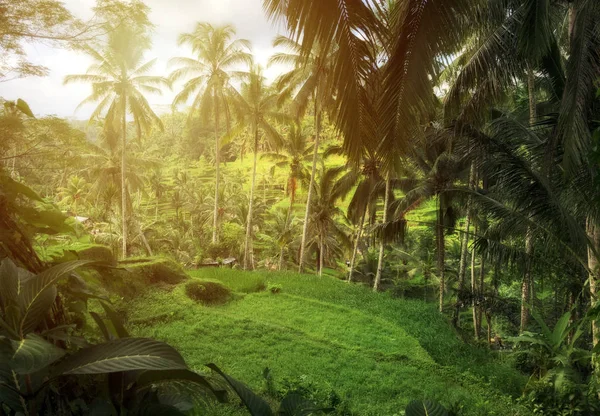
<point>376,352</point>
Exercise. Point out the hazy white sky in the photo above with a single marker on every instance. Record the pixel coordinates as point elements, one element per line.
<point>48,96</point>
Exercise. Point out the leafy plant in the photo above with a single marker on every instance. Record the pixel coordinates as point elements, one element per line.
<point>293,404</point>
<point>425,408</point>
<point>38,377</point>
<point>554,352</point>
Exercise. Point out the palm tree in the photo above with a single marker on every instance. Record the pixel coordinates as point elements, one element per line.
<point>119,82</point>
<point>292,156</point>
<point>255,107</point>
<point>74,194</point>
<point>329,234</point>
<point>309,80</point>
<point>210,74</point>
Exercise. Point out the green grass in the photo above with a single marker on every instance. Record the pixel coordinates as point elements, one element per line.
<point>376,352</point>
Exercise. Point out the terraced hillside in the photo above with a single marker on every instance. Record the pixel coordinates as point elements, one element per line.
<point>375,352</point>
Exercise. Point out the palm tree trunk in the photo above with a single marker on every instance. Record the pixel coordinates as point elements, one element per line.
<point>322,254</point>
<point>247,243</point>
<point>281,252</point>
<point>356,242</point>
<point>481,290</point>
<point>310,186</point>
<point>526,283</point>
<point>441,258</point>
<point>464,252</point>
<point>123,181</point>
<point>593,232</point>
<point>215,236</point>
<point>474,295</point>
<point>386,205</point>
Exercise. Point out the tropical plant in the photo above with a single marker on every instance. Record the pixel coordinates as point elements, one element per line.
<point>309,80</point>
<point>555,354</point>
<point>255,107</point>
<point>329,233</point>
<point>119,81</point>
<point>292,155</point>
<point>211,73</point>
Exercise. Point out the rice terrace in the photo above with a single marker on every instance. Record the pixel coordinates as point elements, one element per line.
<point>300,207</point>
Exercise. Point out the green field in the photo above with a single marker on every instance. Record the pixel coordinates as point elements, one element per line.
<point>375,352</point>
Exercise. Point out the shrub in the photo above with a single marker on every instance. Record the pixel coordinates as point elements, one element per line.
<point>274,288</point>
<point>209,293</point>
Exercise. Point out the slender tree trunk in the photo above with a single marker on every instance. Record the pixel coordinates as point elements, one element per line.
<point>123,177</point>
<point>281,251</point>
<point>386,205</point>
<point>156,211</point>
<point>481,291</point>
<point>145,241</point>
<point>474,295</point>
<point>355,249</point>
<point>215,236</point>
<point>526,284</point>
<point>322,254</point>
<point>488,319</point>
<point>464,252</point>
<point>441,258</point>
<point>310,186</point>
<point>593,232</point>
<point>247,244</point>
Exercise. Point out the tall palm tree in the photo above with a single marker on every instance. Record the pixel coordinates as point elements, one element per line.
<point>209,76</point>
<point>119,81</point>
<point>292,156</point>
<point>308,81</point>
<point>329,234</point>
<point>256,109</point>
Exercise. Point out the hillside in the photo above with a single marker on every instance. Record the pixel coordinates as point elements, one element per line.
<point>377,353</point>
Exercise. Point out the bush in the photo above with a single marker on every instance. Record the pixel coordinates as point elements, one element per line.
<point>209,293</point>
<point>274,288</point>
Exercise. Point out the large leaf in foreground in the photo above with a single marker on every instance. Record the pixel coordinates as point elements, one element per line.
<point>425,408</point>
<point>33,354</point>
<point>125,354</point>
<point>148,378</point>
<point>255,404</point>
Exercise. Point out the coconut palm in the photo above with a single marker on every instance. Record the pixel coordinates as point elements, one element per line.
<point>209,75</point>
<point>255,107</point>
<point>294,153</point>
<point>329,234</point>
<point>119,81</point>
<point>308,81</point>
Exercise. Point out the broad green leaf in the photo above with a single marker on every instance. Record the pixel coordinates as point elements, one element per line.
<point>254,403</point>
<point>425,408</point>
<point>148,378</point>
<point>115,319</point>
<point>125,354</point>
<point>101,325</point>
<point>9,281</point>
<point>10,286</point>
<point>33,354</point>
<point>159,409</point>
<point>545,330</point>
<point>35,286</point>
<point>37,310</point>
<point>561,329</point>
<point>14,189</point>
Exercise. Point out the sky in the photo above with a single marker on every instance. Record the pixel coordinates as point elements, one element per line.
<point>48,96</point>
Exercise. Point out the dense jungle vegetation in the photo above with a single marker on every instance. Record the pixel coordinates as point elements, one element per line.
<point>405,221</point>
